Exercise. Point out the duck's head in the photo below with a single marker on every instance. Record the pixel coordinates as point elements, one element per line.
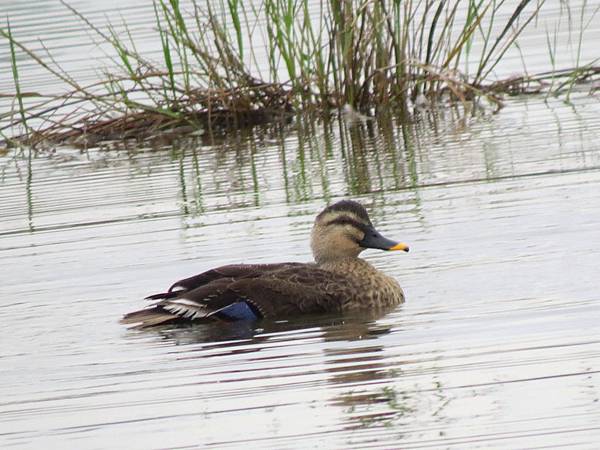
<point>343,230</point>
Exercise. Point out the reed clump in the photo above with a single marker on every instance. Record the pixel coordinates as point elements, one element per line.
<point>371,54</point>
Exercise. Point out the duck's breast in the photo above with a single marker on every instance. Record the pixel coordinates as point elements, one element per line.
<point>366,286</point>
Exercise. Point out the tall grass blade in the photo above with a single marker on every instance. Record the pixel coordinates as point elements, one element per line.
<point>15,74</point>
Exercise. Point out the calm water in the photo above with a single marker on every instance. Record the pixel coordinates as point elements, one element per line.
<point>497,346</point>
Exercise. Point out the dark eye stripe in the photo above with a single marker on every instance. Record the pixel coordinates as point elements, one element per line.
<point>345,220</point>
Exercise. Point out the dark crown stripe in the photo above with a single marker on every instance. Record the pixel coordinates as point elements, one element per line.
<point>348,206</point>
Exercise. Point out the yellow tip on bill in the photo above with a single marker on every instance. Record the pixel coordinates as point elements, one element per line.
<point>399,246</point>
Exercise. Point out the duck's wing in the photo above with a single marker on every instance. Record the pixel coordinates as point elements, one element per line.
<point>231,271</point>
<point>200,296</point>
<point>256,292</point>
<point>292,291</point>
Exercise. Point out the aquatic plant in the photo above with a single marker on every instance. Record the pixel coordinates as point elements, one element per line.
<point>371,54</point>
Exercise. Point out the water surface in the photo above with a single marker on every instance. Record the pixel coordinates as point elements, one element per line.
<point>497,346</point>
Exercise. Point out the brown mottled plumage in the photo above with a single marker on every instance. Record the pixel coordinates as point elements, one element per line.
<point>338,281</point>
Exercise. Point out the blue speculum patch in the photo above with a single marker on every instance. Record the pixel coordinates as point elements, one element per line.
<point>238,311</point>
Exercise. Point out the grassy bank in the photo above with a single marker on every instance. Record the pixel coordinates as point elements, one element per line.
<point>371,54</point>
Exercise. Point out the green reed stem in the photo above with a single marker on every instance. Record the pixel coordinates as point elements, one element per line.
<point>15,74</point>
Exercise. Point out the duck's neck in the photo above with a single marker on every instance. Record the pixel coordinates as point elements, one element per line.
<point>343,264</point>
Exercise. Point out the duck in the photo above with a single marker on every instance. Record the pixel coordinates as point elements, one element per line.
<point>338,281</point>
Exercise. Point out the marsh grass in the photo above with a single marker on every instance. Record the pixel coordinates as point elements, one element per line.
<point>371,54</point>
<point>15,75</point>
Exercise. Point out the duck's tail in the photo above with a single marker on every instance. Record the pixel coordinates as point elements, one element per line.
<point>149,317</point>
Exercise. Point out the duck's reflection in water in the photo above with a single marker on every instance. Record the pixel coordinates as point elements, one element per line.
<point>329,328</point>
<point>346,353</point>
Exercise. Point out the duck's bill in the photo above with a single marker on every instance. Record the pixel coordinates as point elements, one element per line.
<point>374,239</point>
